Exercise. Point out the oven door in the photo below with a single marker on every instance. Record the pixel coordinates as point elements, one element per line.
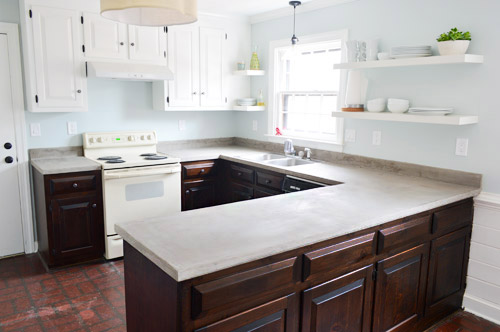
<point>136,194</point>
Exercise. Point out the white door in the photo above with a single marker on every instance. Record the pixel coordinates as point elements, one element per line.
<point>104,38</point>
<point>11,232</point>
<point>183,60</point>
<point>212,42</point>
<point>58,54</point>
<point>147,44</point>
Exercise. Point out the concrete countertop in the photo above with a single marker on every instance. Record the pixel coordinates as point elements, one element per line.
<point>48,166</point>
<point>194,243</point>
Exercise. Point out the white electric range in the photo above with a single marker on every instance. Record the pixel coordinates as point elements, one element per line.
<point>138,182</point>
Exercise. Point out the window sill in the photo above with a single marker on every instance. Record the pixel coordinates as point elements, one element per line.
<point>308,142</point>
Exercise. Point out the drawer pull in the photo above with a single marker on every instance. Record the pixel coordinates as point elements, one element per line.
<point>94,205</point>
<point>202,170</point>
<point>75,185</point>
<point>268,181</point>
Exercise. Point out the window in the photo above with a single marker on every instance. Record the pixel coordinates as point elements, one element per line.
<point>306,88</point>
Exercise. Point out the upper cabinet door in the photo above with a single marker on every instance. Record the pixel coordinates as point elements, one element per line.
<point>183,60</point>
<point>147,44</point>
<point>59,66</point>
<point>212,42</point>
<point>104,38</point>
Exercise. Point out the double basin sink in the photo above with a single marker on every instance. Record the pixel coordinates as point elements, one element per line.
<point>278,160</point>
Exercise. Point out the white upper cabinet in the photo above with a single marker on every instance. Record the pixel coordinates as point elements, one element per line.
<point>212,43</point>
<point>104,38</point>
<point>147,44</point>
<point>59,83</point>
<point>183,61</point>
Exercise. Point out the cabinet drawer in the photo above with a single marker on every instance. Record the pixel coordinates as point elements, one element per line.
<point>74,184</point>
<point>260,193</point>
<point>269,180</point>
<point>244,286</point>
<point>452,218</point>
<point>410,232</point>
<point>341,254</point>
<point>242,173</point>
<point>199,169</point>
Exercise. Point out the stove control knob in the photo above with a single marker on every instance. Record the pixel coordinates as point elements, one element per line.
<point>92,140</point>
<point>131,138</point>
<point>143,137</point>
<point>100,140</point>
<point>150,137</point>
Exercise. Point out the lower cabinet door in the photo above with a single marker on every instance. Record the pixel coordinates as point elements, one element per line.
<point>447,272</point>
<point>400,290</point>
<point>281,315</point>
<point>199,194</point>
<point>78,228</point>
<point>239,192</point>
<point>342,304</point>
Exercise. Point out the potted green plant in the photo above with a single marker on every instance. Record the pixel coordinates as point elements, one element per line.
<point>454,42</point>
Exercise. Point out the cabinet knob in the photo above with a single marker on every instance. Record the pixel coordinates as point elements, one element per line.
<point>7,146</point>
<point>9,160</point>
<point>203,93</point>
<point>94,205</point>
<point>239,174</point>
<point>195,93</point>
<point>132,44</point>
<point>122,43</point>
<point>75,185</point>
<point>79,91</point>
<point>268,181</point>
<point>202,170</point>
<point>187,192</point>
<point>249,197</point>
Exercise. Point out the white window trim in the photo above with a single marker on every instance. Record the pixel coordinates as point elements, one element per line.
<point>273,101</point>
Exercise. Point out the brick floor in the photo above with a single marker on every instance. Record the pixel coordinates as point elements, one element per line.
<point>90,298</point>
<point>86,298</point>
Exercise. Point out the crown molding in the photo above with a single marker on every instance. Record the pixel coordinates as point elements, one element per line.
<point>304,8</point>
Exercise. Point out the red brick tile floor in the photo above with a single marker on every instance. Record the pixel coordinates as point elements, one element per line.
<point>90,298</point>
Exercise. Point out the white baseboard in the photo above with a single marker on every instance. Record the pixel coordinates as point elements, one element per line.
<point>482,308</point>
<point>488,200</point>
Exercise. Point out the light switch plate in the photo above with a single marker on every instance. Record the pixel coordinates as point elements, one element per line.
<point>255,125</point>
<point>72,128</point>
<point>182,125</point>
<point>462,147</point>
<point>377,138</point>
<point>350,135</point>
<point>35,129</point>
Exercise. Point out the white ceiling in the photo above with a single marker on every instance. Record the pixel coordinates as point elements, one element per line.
<point>242,7</point>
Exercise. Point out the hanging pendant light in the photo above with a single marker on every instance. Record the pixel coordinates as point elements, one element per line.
<point>295,40</point>
<point>151,12</point>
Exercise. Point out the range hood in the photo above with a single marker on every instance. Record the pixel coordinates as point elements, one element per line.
<point>129,72</point>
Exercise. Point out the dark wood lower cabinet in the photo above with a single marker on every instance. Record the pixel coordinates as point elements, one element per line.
<point>367,281</point>
<point>199,194</point>
<point>239,192</point>
<point>280,315</point>
<point>342,304</point>
<point>400,290</point>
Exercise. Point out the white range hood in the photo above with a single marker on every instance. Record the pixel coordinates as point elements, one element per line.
<point>129,72</point>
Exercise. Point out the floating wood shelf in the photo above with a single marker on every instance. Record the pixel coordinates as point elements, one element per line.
<point>407,62</point>
<point>452,119</point>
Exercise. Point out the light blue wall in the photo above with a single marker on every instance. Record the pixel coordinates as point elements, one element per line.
<point>470,89</point>
<point>115,105</point>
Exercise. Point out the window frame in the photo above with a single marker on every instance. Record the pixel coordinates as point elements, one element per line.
<point>274,98</point>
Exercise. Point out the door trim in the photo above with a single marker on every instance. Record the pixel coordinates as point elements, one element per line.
<point>16,80</point>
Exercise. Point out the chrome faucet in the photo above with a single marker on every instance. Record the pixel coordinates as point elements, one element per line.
<point>307,151</point>
<point>289,150</point>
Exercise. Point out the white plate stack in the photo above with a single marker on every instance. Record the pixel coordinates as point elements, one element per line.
<point>430,111</point>
<point>410,51</point>
<point>246,102</point>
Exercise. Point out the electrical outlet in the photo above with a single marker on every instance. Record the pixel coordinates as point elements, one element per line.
<point>72,128</point>
<point>182,125</point>
<point>35,129</point>
<point>462,147</point>
<point>255,125</point>
<point>377,138</point>
<point>350,135</point>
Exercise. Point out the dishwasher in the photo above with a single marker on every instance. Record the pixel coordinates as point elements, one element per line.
<point>293,184</point>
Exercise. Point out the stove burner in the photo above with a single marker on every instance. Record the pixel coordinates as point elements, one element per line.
<point>148,154</point>
<point>155,157</point>
<point>115,161</point>
<point>109,158</point>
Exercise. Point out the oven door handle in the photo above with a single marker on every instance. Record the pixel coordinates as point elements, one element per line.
<point>122,174</point>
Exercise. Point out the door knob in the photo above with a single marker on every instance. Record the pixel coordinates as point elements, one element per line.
<point>7,146</point>
<point>132,44</point>
<point>9,160</point>
<point>122,43</point>
<point>79,91</point>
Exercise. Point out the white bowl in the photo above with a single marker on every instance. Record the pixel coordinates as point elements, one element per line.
<point>383,56</point>
<point>376,105</point>
<point>398,101</point>
<point>453,47</point>
<point>398,105</point>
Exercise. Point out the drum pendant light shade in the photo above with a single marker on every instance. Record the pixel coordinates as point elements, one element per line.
<point>151,12</point>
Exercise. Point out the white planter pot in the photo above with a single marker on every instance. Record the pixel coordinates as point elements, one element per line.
<point>453,47</point>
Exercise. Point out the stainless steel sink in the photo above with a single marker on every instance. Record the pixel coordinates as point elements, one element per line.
<point>264,157</point>
<point>288,162</point>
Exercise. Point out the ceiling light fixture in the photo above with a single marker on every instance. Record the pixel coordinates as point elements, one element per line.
<point>295,40</point>
<point>151,12</point>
